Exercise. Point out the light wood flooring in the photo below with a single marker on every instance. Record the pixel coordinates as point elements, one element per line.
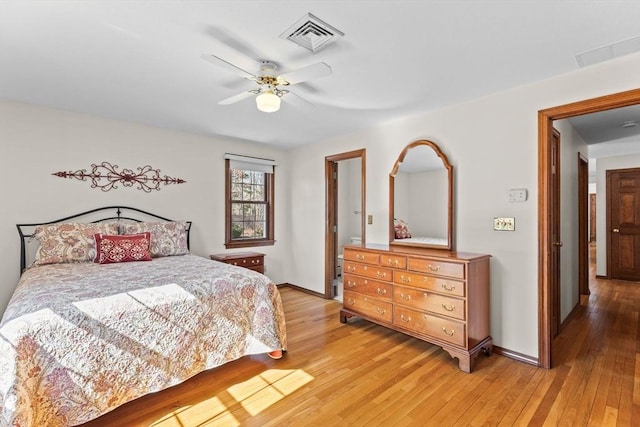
<point>360,374</point>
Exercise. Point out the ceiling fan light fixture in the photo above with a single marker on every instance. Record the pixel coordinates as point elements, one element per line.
<point>268,102</point>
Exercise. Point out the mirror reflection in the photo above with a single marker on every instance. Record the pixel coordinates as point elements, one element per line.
<point>421,197</point>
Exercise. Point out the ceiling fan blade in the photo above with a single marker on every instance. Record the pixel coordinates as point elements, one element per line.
<point>314,71</point>
<point>236,98</point>
<point>228,66</point>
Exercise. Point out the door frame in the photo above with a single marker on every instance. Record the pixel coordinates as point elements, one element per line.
<point>331,210</point>
<point>545,125</point>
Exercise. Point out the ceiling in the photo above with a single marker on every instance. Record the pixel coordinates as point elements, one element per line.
<point>142,62</point>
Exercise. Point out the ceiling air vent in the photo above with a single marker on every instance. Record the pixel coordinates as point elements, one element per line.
<point>312,33</point>
<point>611,51</point>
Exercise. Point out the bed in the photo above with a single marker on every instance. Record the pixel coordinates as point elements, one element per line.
<point>86,332</point>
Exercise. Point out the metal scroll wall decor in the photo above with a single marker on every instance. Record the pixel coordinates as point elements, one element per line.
<point>106,177</point>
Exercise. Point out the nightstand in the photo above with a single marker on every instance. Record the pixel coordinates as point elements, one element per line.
<point>250,260</point>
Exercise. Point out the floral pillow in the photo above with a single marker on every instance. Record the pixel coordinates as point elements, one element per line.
<point>167,238</point>
<point>401,230</point>
<point>122,248</point>
<point>69,242</point>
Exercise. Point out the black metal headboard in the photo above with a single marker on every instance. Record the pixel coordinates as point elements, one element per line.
<point>118,213</point>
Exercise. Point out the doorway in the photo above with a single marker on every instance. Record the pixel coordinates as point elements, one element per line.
<point>342,212</point>
<point>545,204</point>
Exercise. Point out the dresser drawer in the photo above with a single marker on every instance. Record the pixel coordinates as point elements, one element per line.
<point>443,329</point>
<point>393,261</point>
<point>431,283</point>
<point>368,287</point>
<point>441,268</point>
<point>368,306</point>
<point>372,271</point>
<point>435,303</point>
<point>250,260</point>
<point>361,256</point>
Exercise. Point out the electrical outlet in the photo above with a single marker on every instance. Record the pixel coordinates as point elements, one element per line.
<point>369,219</point>
<point>504,224</point>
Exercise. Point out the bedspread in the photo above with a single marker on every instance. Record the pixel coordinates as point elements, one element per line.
<point>78,340</point>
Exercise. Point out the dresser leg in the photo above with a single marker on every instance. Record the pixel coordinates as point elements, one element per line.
<point>344,316</point>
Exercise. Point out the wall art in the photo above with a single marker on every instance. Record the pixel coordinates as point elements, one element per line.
<point>106,177</point>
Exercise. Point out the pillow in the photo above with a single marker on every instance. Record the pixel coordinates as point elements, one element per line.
<point>167,238</point>
<point>119,248</point>
<point>401,229</point>
<point>69,242</point>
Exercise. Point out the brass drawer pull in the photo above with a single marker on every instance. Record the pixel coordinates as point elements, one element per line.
<point>432,268</point>
<point>444,329</point>
<point>351,284</point>
<point>381,291</point>
<point>381,310</point>
<point>360,257</point>
<point>448,287</point>
<point>255,261</point>
<point>405,297</point>
<point>407,319</point>
<point>449,307</point>
<point>351,269</point>
<point>392,263</point>
<point>351,301</point>
<point>405,279</point>
<point>381,274</point>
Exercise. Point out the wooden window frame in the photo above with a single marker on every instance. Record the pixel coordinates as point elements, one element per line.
<point>269,240</point>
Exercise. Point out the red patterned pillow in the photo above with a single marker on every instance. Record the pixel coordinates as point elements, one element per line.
<point>119,248</point>
<point>402,230</point>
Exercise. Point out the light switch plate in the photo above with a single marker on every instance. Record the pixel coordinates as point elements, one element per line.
<point>518,195</point>
<point>369,219</point>
<point>504,224</point>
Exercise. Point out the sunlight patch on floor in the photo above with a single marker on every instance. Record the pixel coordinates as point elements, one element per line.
<point>254,395</point>
<point>262,391</point>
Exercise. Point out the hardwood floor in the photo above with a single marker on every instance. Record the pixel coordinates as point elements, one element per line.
<point>361,374</point>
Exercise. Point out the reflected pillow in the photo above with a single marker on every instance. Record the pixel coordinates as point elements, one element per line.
<point>167,238</point>
<point>122,248</point>
<point>69,242</point>
<point>401,230</point>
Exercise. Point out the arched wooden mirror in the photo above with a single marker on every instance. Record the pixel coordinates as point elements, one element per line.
<point>421,198</point>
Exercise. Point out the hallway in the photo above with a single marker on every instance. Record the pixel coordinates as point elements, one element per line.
<point>598,353</point>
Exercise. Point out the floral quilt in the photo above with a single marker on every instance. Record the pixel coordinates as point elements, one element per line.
<point>78,340</point>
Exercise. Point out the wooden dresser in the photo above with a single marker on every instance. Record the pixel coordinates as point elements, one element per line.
<point>437,296</point>
<point>250,260</point>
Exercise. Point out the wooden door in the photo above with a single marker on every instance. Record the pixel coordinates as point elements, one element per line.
<point>583,221</point>
<point>623,225</point>
<point>332,226</point>
<point>592,217</point>
<point>554,221</point>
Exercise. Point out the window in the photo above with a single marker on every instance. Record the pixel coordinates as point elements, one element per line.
<point>249,201</point>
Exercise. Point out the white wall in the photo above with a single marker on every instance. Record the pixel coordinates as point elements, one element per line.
<point>605,164</point>
<point>492,144</point>
<point>37,141</point>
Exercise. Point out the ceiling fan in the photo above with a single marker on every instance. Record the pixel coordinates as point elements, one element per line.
<point>271,86</point>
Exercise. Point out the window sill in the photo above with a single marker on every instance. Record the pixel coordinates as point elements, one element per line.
<point>249,243</point>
